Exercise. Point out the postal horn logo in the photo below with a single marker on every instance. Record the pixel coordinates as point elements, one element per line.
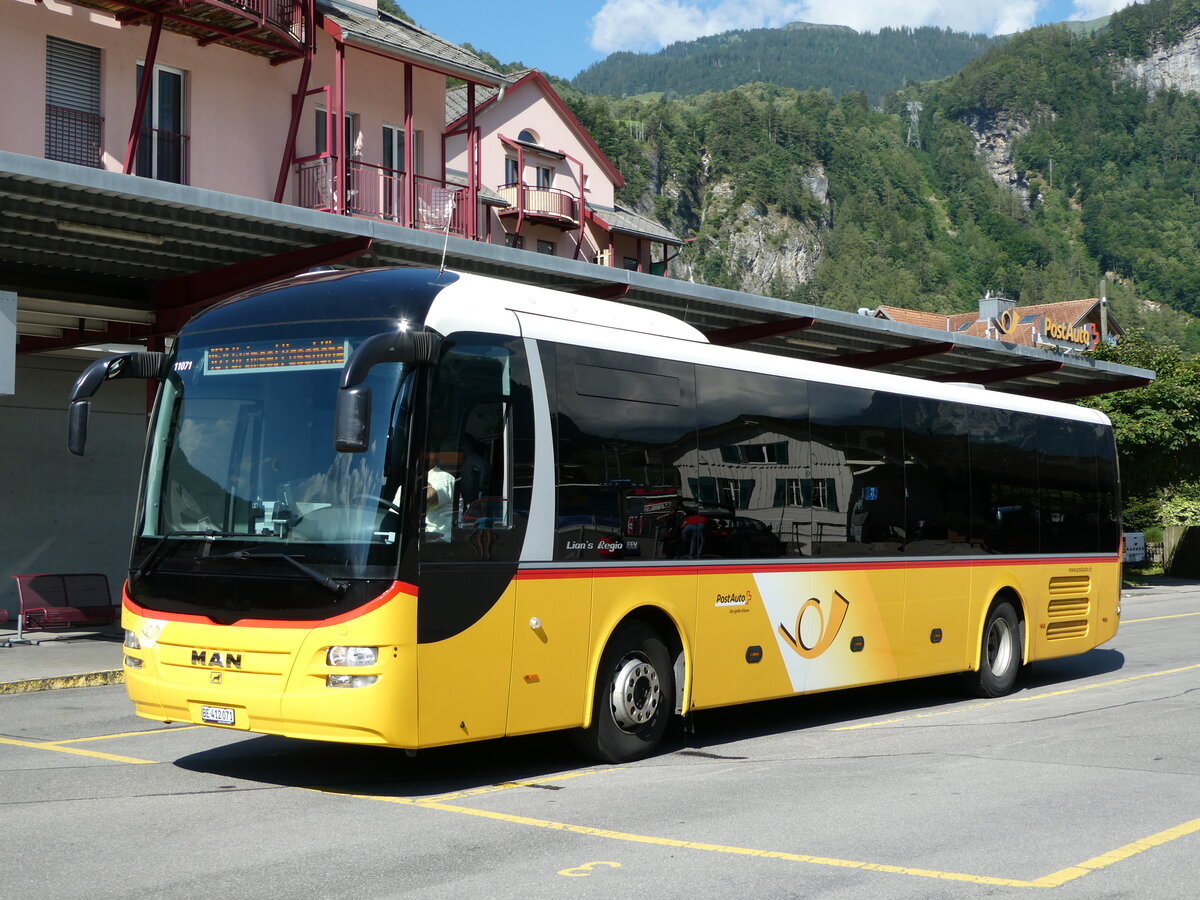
<point>816,626</point>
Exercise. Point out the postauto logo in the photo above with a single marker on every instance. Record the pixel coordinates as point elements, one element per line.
<point>817,625</point>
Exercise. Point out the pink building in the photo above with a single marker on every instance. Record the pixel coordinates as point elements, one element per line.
<point>244,97</point>
<point>554,189</point>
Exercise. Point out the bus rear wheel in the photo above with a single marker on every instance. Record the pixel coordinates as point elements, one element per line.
<point>634,693</point>
<point>999,653</point>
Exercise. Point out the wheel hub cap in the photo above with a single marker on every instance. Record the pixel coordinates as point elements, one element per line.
<point>636,693</point>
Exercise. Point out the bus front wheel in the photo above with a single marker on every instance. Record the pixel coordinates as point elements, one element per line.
<point>634,695</point>
<point>999,653</point>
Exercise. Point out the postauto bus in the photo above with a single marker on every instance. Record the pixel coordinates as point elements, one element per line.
<point>413,508</point>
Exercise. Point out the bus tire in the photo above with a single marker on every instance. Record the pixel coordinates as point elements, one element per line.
<point>634,696</point>
<point>999,653</point>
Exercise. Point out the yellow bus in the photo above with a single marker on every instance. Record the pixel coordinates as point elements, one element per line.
<point>410,508</point>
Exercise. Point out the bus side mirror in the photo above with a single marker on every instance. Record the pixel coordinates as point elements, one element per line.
<point>139,364</point>
<point>352,419</point>
<point>352,412</point>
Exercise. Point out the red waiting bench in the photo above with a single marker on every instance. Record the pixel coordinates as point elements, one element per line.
<point>52,602</point>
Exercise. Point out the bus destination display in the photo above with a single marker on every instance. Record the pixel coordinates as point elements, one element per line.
<point>275,356</point>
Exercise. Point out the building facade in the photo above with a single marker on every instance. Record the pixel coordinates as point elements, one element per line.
<point>554,188</point>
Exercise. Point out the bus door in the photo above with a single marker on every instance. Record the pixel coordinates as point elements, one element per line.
<point>478,470</point>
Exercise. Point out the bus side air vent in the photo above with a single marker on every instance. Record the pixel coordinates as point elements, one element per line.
<point>1068,607</point>
<point>1070,585</point>
<point>1061,631</point>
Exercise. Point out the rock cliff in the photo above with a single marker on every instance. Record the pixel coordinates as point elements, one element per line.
<point>1174,67</point>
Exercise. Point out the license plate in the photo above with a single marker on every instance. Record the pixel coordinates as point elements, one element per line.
<point>216,715</point>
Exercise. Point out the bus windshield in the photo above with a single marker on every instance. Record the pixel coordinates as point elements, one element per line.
<point>242,476</point>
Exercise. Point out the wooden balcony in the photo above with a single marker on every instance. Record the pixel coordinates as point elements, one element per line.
<point>274,29</point>
<point>545,205</point>
<point>376,192</point>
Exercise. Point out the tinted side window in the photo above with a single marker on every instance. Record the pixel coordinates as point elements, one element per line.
<point>937,478</point>
<point>479,460</point>
<point>858,464</point>
<point>1109,500</point>
<point>625,428</point>
<point>1004,481</point>
<point>1070,513</point>
<point>752,494</point>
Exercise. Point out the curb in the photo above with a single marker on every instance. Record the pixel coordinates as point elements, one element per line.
<point>85,679</point>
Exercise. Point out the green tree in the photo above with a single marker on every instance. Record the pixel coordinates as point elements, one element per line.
<point>1157,427</point>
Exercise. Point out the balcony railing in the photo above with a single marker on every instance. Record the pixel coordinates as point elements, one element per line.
<point>377,192</point>
<point>163,155</point>
<point>73,136</point>
<point>545,202</point>
<point>275,29</point>
<point>281,13</point>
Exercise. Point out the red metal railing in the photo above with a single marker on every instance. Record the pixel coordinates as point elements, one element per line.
<point>542,201</point>
<point>378,192</point>
<point>279,12</point>
<point>441,205</point>
<point>73,136</point>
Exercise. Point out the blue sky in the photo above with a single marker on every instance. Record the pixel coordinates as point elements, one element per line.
<point>566,37</point>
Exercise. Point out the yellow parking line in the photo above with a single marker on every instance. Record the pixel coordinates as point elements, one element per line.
<point>1023,698</point>
<point>1100,684</point>
<point>1053,880</point>
<point>53,745</point>
<point>125,734</point>
<point>1158,618</point>
<point>1070,873</point>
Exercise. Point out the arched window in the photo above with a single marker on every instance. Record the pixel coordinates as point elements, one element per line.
<point>529,137</point>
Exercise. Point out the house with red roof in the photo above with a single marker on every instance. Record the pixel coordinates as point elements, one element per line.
<point>548,185</point>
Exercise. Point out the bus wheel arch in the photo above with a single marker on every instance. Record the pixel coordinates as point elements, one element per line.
<point>1001,648</point>
<point>637,687</point>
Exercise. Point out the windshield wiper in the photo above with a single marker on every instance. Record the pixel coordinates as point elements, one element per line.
<point>150,563</point>
<point>330,584</point>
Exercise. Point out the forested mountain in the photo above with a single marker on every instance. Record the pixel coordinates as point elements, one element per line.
<point>1091,177</point>
<point>797,56</point>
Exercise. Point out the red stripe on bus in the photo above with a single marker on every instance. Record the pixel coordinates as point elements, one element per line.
<point>536,573</point>
<point>397,588</point>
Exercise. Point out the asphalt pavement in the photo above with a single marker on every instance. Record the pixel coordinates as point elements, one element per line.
<point>84,658</point>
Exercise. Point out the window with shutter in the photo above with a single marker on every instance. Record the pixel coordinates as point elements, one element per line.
<point>74,127</point>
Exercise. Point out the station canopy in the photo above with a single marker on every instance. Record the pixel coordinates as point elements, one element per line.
<point>99,257</point>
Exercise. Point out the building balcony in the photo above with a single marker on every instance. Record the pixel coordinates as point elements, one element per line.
<point>275,29</point>
<point>545,205</point>
<point>73,136</point>
<point>376,192</point>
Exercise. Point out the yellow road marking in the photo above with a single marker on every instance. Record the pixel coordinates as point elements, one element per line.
<point>54,745</point>
<point>1053,880</point>
<point>1159,618</point>
<point>1070,873</point>
<point>1020,699</point>
<point>585,870</point>
<point>509,785</point>
<point>1100,684</point>
<point>124,734</point>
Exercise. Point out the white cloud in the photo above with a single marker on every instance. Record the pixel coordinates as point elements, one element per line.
<point>650,24</point>
<point>647,25</point>
<point>1086,10</point>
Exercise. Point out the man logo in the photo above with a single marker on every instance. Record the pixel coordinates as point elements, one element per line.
<point>815,630</point>
<point>216,659</point>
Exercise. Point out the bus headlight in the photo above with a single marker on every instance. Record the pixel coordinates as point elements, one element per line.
<point>133,662</point>
<point>131,640</point>
<point>350,681</point>
<point>352,656</point>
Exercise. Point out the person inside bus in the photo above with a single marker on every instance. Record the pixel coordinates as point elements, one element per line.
<point>439,502</point>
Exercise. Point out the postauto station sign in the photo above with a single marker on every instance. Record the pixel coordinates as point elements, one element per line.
<point>1067,336</point>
